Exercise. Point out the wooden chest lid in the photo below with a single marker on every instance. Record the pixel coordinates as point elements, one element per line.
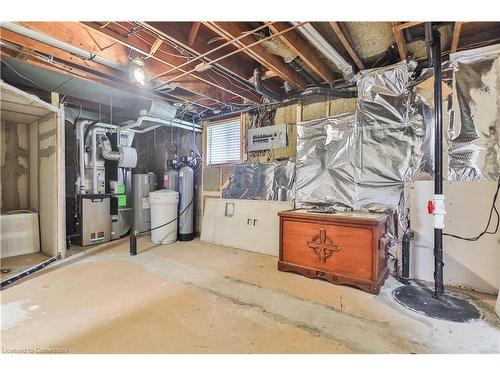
<point>359,217</point>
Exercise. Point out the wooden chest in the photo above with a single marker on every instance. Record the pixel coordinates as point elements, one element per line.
<point>343,248</point>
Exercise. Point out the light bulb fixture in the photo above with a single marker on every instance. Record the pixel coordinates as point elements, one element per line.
<point>137,74</point>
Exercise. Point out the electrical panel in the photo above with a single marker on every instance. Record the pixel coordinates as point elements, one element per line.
<point>267,138</point>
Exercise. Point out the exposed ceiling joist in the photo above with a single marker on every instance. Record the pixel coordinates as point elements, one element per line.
<point>193,32</point>
<point>306,52</point>
<point>239,66</point>
<point>231,30</point>
<point>199,83</point>
<point>81,37</point>
<point>343,39</point>
<point>400,40</point>
<point>456,36</point>
<point>33,45</point>
<point>405,25</point>
<point>155,46</point>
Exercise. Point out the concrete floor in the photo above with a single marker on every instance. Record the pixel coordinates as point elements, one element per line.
<point>201,298</point>
<point>14,265</point>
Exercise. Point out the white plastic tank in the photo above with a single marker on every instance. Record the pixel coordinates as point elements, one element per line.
<point>164,204</point>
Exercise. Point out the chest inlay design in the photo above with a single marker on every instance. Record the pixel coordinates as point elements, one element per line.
<point>323,246</point>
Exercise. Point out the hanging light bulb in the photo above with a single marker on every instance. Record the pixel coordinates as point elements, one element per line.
<point>137,74</point>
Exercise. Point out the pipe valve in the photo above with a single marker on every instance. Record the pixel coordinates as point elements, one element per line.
<point>436,208</point>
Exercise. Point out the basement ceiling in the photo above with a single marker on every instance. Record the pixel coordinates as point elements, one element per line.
<point>208,66</point>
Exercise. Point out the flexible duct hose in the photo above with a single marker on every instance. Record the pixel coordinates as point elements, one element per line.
<point>107,151</point>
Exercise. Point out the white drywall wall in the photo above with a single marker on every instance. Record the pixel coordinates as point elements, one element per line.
<point>474,265</point>
<point>253,226</point>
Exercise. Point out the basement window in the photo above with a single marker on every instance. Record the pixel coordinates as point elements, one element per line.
<point>224,142</point>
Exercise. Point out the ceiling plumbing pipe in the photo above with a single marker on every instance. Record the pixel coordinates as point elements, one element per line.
<point>321,44</point>
<point>29,33</point>
<point>312,91</point>
<point>304,73</point>
<point>261,89</point>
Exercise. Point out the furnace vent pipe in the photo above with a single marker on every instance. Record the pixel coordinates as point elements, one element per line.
<point>107,151</point>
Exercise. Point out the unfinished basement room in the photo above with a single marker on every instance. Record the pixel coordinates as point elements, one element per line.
<point>249,187</point>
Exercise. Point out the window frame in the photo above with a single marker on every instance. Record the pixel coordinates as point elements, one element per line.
<point>220,122</point>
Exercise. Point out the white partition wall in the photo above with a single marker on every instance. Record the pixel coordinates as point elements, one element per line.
<point>32,173</point>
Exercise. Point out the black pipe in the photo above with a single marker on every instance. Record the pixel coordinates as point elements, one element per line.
<point>261,89</point>
<point>312,91</point>
<point>407,237</point>
<point>304,73</point>
<point>324,91</point>
<point>438,161</point>
<point>133,244</point>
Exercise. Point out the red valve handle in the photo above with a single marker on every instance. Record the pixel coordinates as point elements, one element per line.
<point>430,207</point>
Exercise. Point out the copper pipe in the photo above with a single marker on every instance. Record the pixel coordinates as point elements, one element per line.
<point>240,49</point>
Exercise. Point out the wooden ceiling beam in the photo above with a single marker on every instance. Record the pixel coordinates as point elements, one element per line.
<point>405,25</point>
<point>308,54</point>
<point>456,36</point>
<point>193,32</point>
<point>400,40</point>
<point>80,73</point>
<point>231,30</point>
<point>200,83</point>
<point>34,45</point>
<point>343,39</point>
<point>236,65</point>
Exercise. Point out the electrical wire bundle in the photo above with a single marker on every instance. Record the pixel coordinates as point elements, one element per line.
<point>485,231</point>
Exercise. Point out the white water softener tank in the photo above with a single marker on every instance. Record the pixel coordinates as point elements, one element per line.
<point>186,211</point>
<point>164,204</point>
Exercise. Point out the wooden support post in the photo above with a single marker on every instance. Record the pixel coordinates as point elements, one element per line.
<point>400,40</point>
<point>456,36</point>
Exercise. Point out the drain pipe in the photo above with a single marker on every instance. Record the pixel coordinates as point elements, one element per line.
<point>439,207</point>
<point>259,87</point>
<point>304,73</point>
<point>407,237</point>
<point>436,206</point>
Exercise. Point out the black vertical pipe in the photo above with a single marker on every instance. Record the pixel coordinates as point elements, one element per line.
<point>438,161</point>
<point>133,244</point>
<point>407,237</point>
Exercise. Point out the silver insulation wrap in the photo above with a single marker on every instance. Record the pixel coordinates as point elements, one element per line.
<point>361,161</point>
<point>262,181</point>
<point>474,126</point>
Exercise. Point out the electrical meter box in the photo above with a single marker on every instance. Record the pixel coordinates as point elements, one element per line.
<point>267,138</point>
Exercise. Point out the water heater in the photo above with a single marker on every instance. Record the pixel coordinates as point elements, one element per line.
<point>142,185</point>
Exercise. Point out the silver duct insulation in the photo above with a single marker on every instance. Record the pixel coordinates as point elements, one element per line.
<point>107,151</point>
<point>321,44</point>
<point>474,128</point>
<point>361,161</point>
<point>262,181</point>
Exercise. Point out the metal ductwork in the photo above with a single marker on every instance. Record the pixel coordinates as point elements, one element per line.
<point>318,41</point>
<point>107,151</point>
